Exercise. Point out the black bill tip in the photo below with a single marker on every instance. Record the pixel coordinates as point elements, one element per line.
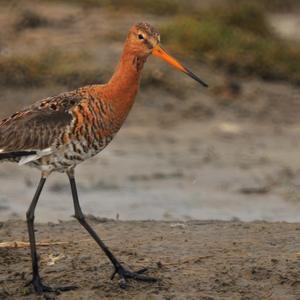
<point>195,77</point>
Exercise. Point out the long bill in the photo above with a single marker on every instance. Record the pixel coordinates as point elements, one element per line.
<point>161,53</point>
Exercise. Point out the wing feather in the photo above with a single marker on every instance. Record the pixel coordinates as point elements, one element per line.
<point>38,126</point>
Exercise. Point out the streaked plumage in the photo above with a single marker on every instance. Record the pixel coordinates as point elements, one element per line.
<point>59,132</point>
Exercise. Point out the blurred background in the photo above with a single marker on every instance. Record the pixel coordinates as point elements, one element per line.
<point>227,152</point>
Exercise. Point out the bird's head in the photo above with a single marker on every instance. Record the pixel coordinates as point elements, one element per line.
<point>144,40</point>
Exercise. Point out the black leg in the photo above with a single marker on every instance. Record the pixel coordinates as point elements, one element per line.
<point>123,273</point>
<point>36,279</point>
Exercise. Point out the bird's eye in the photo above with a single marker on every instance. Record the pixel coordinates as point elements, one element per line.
<point>141,37</point>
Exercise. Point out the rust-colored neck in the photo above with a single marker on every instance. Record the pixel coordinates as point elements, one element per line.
<point>123,86</point>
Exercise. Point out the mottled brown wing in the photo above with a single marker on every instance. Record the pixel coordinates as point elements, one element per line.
<point>37,127</point>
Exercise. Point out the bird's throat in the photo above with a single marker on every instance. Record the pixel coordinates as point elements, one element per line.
<point>126,78</point>
<point>124,84</point>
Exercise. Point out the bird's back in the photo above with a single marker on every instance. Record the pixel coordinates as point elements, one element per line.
<point>58,132</point>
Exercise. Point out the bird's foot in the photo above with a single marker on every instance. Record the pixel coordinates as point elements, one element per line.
<point>40,288</point>
<point>126,274</point>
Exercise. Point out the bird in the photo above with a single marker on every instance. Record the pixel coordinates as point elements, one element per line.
<point>57,133</point>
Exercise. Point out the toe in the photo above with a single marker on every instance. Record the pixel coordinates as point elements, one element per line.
<point>66,288</point>
<point>142,271</point>
<point>122,283</point>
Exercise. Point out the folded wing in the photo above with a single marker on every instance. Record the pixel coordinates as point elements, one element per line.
<point>35,129</point>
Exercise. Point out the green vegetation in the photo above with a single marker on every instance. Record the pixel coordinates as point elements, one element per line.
<point>160,7</point>
<point>171,7</point>
<point>236,38</point>
<point>165,7</point>
<point>48,67</point>
<point>271,5</point>
<point>53,67</point>
<point>235,35</point>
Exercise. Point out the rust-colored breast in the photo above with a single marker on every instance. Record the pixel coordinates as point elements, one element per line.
<point>93,122</point>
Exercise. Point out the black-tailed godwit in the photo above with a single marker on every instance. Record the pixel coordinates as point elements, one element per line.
<point>58,133</point>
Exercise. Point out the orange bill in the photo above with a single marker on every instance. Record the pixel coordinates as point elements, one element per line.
<point>161,53</point>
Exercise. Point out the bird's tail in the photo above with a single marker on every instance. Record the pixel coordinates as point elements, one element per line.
<point>15,155</point>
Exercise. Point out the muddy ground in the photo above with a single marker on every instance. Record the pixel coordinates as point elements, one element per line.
<point>185,152</point>
<point>192,260</point>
